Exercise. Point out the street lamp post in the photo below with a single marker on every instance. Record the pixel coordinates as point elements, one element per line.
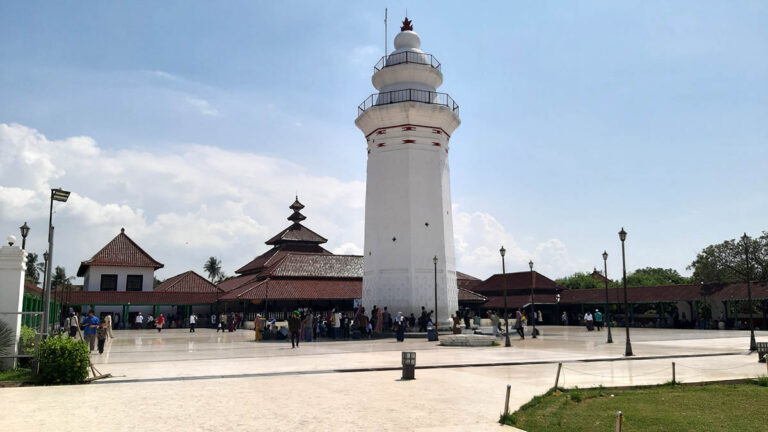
<point>606,318</point>
<point>56,195</point>
<point>503,251</point>
<point>752,342</point>
<point>24,232</point>
<point>533,300</point>
<point>622,237</point>
<point>437,320</point>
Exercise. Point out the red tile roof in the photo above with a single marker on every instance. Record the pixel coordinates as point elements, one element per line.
<point>297,233</point>
<point>516,281</point>
<point>236,282</point>
<point>32,289</point>
<point>513,301</point>
<point>120,252</point>
<point>298,289</point>
<point>189,282</point>
<point>467,296</point>
<point>140,297</point>
<point>317,266</point>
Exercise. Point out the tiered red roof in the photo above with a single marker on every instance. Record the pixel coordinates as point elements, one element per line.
<point>120,252</point>
<point>187,282</point>
<point>298,289</point>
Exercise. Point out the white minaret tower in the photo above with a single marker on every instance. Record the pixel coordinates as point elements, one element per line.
<point>408,221</point>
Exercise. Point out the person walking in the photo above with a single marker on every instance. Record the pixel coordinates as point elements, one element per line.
<point>101,335</point>
<point>294,327</point>
<point>564,318</point>
<point>400,324</point>
<point>495,322</point>
<point>519,324</point>
<point>213,321</point>
<point>192,322</point>
<point>423,320</point>
<point>72,324</point>
<point>90,324</point>
<point>589,321</point>
<point>139,321</point>
<point>598,320</point>
<point>378,324</point>
<point>108,322</point>
<point>222,322</point>
<point>160,322</point>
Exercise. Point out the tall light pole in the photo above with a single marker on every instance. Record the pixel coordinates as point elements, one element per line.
<point>24,232</point>
<point>752,343</point>
<point>606,319</point>
<point>437,321</point>
<point>622,237</point>
<point>533,301</point>
<point>56,195</point>
<point>503,252</point>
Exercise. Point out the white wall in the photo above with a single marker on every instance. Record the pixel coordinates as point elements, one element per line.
<point>92,279</point>
<point>12,266</point>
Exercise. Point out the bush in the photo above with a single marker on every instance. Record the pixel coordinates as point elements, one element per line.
<point>762,381</point>
<point>6,339</point>
<point>576,395</point>
<point>26,344</point>
<point>63,360</point>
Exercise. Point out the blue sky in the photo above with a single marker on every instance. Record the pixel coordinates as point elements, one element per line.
<point>578,118</point>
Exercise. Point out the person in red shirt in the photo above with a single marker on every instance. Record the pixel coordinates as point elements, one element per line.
<point>160,322</point>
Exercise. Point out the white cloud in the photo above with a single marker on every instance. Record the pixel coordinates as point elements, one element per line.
<point>348,249</point>
<point>181,204</point>
<point>202,105</point>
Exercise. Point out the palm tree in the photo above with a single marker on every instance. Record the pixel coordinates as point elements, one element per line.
<point>60,281</point>
<point>33,270</point>
<point>213,268</point>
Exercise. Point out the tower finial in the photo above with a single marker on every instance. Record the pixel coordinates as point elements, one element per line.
<point>407,24</point>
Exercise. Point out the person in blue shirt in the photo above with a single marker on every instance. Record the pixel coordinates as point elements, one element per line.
<point>90,325</point>
<point>598,319</point>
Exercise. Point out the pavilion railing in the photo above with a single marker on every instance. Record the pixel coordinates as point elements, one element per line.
<point>408,95</point>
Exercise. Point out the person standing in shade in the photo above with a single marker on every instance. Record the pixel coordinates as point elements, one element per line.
<point>90,324</point>
<point>101,335</point>
<point>589,321</point>
<point>495,322</point>
<point>564,318</point>
<point>139,321</point>
<point>294,327</point>
<point>72,324</point>
<point>192,322</point>
<point>108,322</point>
<point>213,321</point>
<point>598,320</point>
<point>160,322</point>
<point>519,324</point>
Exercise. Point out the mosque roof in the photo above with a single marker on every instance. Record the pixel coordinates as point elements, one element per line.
<point>121,251</point>
<point>188,282</point>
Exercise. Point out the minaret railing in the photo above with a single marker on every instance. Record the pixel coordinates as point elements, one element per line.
<point>408,95</point>
<point>406,57</point>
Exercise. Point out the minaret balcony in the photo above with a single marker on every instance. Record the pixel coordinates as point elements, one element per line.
<point>408,95</point>
<point>407,57</point>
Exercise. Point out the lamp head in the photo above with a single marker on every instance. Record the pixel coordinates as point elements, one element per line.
<point>11,240</point>
<point>59,194</point>
<point>622,234</point>
<point>557,297</point>
<point>605,256</point>
<point>45,256</point>
<point>434,260</point>
<point>530,264</point>
<point>502,251</point>
<point>24,230</point>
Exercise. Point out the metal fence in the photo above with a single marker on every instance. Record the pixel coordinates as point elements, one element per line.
<point>408,95</point>
<point>406,57</point>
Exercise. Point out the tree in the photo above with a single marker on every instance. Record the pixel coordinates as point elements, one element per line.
<point>655,276</point>
<point>60,281</point>
<point>213,268</point>
<point>32,274</point>
<point>580,280</point>
<point>726,262</point>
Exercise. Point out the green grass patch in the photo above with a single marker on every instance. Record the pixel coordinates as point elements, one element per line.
<point>712,407</point>
<point>22,375</point>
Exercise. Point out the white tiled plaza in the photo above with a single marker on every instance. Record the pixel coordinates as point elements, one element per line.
<point>210,381</point>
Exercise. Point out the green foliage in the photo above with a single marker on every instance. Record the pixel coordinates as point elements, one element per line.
<point>762,381</point>
<point>63,360</point>
<point>508,419</point>
<point>32,273</point>
<point>60,280</point>
<point>726,262</point>
<point>213,268</point>
<point>580,280</point>
<point>19,374</point>
<point>27,341</point>
<point>655,276</point>
<point>576,395</point>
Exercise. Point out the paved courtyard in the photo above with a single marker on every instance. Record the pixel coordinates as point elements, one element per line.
<point>209,381</point>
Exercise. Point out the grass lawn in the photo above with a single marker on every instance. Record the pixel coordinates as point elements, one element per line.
<point>714,407</point>
<point>16,375</point>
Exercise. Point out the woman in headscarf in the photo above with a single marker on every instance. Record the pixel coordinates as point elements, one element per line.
<point>307,325</point>
<point>257,327</point>
<point>400,325</point>
<point>160,322</point>
<point>379,321</point>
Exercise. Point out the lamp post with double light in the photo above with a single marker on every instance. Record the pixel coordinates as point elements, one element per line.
<point>622,237</point>
<point>606,318</point>
<point>62,196</point>
<point>533,300</point>
<point>503,252</point>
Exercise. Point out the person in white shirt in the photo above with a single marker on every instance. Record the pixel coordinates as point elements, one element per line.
<point>139,321</point>
<point>336,325</point>
<point>73,323</point>
<point>192,322</point>
<point>108,322</point>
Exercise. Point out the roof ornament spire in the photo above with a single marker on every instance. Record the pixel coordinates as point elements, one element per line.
<point>296,217</point>
<point>407,25</point>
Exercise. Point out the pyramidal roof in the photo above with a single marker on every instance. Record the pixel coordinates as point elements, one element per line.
<point>297,232</point>
<point>120,252</point>
<point>188,282</point>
